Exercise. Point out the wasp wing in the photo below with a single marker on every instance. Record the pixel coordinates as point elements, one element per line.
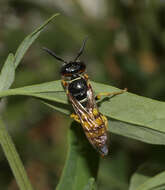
<point>91,103</point>
<point>95,133</point>
<point>83,114</point>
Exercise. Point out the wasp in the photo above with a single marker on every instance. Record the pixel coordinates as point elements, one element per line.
<point>80,93</point>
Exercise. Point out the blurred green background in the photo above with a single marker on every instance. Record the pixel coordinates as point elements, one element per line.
<point>125,48</point>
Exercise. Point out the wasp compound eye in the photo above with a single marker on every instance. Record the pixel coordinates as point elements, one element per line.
<point>73,68</point>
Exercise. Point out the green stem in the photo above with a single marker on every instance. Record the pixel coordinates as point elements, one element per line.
<point>13,159</point>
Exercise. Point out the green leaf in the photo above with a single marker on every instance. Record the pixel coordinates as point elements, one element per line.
<point>26,43</point>
<point>6,79</point>
<point>8,70</point>
<point>13,159</point>
<point>148,177</point>
<point>129,115</point>
<point>81,163</point>
<point>90,185</point>
<point>113,171</point>
<point>7,73</point>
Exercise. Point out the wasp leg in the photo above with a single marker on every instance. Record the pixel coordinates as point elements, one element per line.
<point>98,96</point>
<point>75,117</point>
<point>64,83</point>
<point>86,76</point>
<point>105,120</point>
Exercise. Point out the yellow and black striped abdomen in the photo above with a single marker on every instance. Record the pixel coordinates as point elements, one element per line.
<point>95,128</point>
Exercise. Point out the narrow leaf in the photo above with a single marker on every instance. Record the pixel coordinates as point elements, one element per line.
<point>8,70</point>
<point>29,40</point>
<point>13,159</point>
<point>90,185</point>
<point>81,163</point>
<point>114,171</point>
<point>7,73</point>
<point>130,115</point>
<point>148,177</point>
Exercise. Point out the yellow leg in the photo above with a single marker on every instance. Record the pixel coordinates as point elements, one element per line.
<point>64,83</point>
<point>105,120</point>
<point>75,117</point>
<point>98,96</point>
<point>86,76</point>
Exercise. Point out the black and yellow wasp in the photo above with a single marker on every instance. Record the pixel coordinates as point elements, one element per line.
<point>83,100</point>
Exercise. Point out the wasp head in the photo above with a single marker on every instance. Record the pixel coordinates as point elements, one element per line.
<point>72,67</point>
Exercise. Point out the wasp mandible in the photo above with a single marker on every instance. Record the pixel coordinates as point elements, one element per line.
<point>80,93</point>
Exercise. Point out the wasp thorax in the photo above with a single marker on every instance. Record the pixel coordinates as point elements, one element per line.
<point>78,89</point>
<point>72,68</point>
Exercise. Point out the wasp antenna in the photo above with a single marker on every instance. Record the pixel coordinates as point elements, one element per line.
<point>53,54</point>
<point>81,49</point>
